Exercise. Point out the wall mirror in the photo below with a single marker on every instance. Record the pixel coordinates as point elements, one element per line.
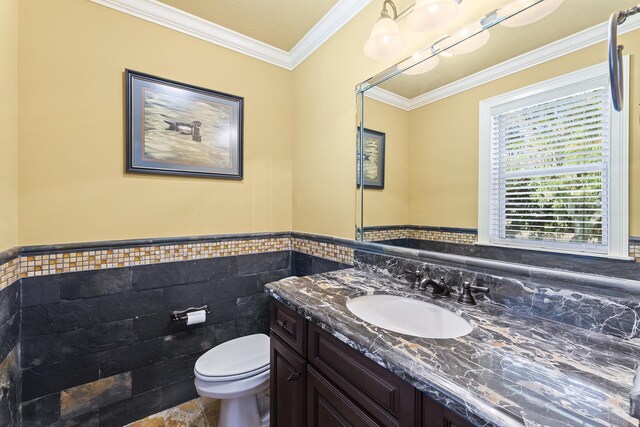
<point>543,84</point>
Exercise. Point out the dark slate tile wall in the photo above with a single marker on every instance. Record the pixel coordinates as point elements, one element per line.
<point>9,354</point>
<point>98,347</point>
<point>306,265</point>
<point>626,269</point>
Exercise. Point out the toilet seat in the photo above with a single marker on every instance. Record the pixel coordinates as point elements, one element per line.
<point>234,360</point>
<point>231,377</point>
<point>235,372</point>
<point>232,389</point>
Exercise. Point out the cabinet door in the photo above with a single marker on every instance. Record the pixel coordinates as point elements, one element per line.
<point>327,407</point>
<point>288,386</point>
<point>436,415</point>
<point>387,399</point>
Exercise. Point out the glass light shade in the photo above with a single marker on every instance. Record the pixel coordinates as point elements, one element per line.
<point>385,39</point>
<point>421,67</point>
<point>428,15</point>
<point>529,16</point>
<point>469,45</point>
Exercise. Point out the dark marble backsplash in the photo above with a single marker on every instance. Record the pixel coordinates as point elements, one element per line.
<point>626,269</point>
<point>593,309</point>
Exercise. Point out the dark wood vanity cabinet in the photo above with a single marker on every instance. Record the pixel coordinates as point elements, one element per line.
<point>288,385</point>
<point>318,381</point>
<point>433,414</point>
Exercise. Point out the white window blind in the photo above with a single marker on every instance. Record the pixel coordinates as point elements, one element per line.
<point>549,172</point>
<point>553,168</point>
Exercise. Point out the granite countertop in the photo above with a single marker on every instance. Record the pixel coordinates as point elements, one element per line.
<point>511,370</point>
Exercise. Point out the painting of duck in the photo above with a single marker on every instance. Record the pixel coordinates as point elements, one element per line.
<point>184,129</point>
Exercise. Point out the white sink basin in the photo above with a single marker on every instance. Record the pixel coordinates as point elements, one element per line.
<point>409,316</point>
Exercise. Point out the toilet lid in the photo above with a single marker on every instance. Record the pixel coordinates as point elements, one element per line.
<point>246,355</point>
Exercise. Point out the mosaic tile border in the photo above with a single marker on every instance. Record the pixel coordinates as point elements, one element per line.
<point>634,249</point>
<point>386,234</point>
<point>330,251</point>
<point>421,233</point>
<point>444,236</point>
<point>450,236</point>
<point>45,264</point>
<point>9,272</point>
<point>67,261</point>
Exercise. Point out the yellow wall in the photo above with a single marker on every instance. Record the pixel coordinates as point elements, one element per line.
<point>324,200</point>
<point>324,129</point>
<point>8,124</point>
<point>389,206</point>
<point>299,133</point>
<point>444,142</point>
<point>72,55</point>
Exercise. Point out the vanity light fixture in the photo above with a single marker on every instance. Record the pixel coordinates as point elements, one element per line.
<point>532,14</point>
<point>385,39</point>
<point>425,15</point>
<point>429,15</point>
<point>462,42</point>
<point>418,67</point>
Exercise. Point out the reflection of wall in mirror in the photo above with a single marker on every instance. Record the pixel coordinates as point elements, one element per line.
<point>441,167</point>
<point>390,205</point>
<point>448,176</point>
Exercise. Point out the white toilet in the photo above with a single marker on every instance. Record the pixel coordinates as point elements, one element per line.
<point>235,372</point>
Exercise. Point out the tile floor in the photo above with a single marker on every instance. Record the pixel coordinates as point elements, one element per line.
<point>200,412</point>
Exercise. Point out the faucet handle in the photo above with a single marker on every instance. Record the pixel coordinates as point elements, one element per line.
<point>466,297</point>
<point>417,273</point>
<point>475,288</point>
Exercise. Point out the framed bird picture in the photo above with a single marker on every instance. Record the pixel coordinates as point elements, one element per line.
<point>373,159</point>
<point>179,129</point>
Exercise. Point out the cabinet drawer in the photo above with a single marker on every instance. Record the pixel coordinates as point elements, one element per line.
<point>289,326</point>
<point>387,398</point>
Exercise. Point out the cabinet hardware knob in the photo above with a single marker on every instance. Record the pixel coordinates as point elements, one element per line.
<point>293,376</point>
<point>281,323</point>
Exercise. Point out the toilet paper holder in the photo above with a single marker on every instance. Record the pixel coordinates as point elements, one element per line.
<point>182,314</point>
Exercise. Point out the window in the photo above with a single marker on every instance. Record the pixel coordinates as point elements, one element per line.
<point>554,167</point>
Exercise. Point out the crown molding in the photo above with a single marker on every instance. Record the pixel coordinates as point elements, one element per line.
<point>167,16</point>
<point>336,18</point>
<point>383,95</point>
<point>567,45</point>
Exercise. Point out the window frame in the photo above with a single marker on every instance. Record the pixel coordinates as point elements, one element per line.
<point>618,168</point>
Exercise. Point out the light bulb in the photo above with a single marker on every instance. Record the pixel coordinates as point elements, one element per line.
<point>419,67</point>
<point>529,16</point>
<point>385,40</point>
<point>428,15</point>
<point>479,39</point>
